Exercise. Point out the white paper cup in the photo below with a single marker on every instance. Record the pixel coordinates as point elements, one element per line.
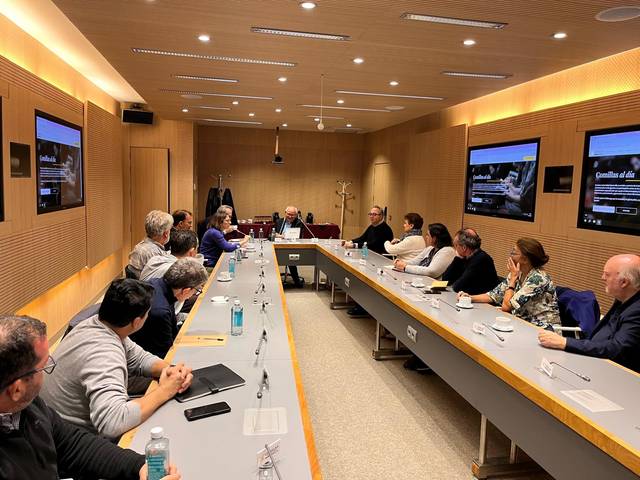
<point>503,322</point>
<point>199,258</point>
<point>465,301</point>
<point>225,275</point>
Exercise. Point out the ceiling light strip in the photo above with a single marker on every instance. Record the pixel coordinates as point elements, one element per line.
<point>464,22</point>
<point>218,120</point>
<point>208,79</point>
<point>325,116</point>
<point>207,107</point>
<point>348,108</point>
<point>373,94</point>
<point>229,95</point>
<point>294,33</point>
<point>220,58</point>
<point>497,76</point>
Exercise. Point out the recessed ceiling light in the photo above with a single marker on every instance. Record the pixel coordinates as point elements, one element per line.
<point>349,125</point>
<point>220,58</point>
<point>618,14</point>
<point>358,60</point>
<point>469,42</point>
<point>282,79</point>
<point>285,125</point>
<point>207,107</point>
<point>393,83</point>
<point>340,101</point>
<point>191,96</point>
<point>209,79</point>
<point>207,94</point>
<point>204,37</point>
<point>497,76</point>
<point>235,102</point>
<point>278,110</point>
<point>452,21</point>
<point>227,121</point>
<point>185,110</point>
<point>308,5</point>
<point>316,119</point>
<point>560,35</point>
<point>346,108</point>
<point>373,94</point>
<point>294,33</point>
<point>251,114</point>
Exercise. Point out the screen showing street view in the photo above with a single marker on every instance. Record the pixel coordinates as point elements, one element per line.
<point>501,180</point>
<point>610,191</point>
<point>58,163</point>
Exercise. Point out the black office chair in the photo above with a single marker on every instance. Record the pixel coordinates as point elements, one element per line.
<point>130,273</point>
<point>81,316</point>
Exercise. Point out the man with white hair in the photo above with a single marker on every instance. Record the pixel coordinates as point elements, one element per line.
<point>157,225</point>
<point>290,220</point>
<point>617,335</point>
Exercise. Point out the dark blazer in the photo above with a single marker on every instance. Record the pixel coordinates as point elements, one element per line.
<point>474,275</point>
<point>616,336</point>
<point>46,446</point>
<point>161,327</point>
<point>297,223</point>
<point>375,237</point>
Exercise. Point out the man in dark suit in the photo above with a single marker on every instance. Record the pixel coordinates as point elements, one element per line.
<point>617,335</point>
<point>473,270</point>
<point>290,220</point>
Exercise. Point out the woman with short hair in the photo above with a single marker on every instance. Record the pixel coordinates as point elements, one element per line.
<point>528,291</point>
<point>411,243</point>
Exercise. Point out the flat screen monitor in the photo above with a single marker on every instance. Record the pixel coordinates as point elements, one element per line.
<point>501,179</point>
<point>58,164</point>
<point>610,189</point>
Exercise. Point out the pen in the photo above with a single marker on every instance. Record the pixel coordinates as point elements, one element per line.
<point>211,338</point>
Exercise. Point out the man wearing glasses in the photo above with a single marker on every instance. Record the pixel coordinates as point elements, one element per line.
<point>35,443</point>
<point>97,361</point>
<point>184,279</point>
<point>376,234</point>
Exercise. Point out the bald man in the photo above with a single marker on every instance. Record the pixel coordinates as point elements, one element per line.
<point>617,335</point>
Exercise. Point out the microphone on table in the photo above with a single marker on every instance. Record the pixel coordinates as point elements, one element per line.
<point>452,306</point>
<point>308,229</point>
<point>583,377</point>
<point>263,338</point>
<point>264,385</point>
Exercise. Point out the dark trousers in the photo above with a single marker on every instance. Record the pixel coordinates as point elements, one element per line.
<point>293,270</point>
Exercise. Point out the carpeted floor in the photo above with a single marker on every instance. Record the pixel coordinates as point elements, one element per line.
<point>375,420</point>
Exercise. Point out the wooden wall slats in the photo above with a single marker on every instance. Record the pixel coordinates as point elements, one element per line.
<point>103,187</point>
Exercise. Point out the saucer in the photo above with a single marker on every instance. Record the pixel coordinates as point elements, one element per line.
<point>418,285</point>
<point>466,307</point>
<point>221,279</point>
<point>500,328</point>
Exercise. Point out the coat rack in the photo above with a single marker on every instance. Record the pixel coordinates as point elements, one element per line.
<point>344,196</point>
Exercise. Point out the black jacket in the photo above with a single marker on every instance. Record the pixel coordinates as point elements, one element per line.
<point>161,327</point>
<point>474,275</point>
<point>616,336</point>
<point>46,445</point>
<point>297,223</point>
<point>375,237</point>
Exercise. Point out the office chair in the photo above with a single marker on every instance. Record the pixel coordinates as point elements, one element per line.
<point>579,312</point>
<point>129,273</point>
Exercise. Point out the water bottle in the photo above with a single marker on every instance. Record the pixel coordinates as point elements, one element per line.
<point>236,318</point>
<point>232,266</point>
<point>365,250</point>
<point>157,454</point>
<point>260,234</point>
<point>252,235</point>
<point>238,254</point>
<point>272,235</point>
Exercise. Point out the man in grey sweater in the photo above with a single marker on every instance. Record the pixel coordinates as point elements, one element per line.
<point>96,360</point>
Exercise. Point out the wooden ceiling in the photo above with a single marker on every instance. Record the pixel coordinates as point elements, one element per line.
<point>412,53</point>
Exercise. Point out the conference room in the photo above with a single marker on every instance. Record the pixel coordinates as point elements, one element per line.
<point>368,239</point>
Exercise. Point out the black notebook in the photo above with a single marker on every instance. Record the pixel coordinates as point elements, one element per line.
<point>210,380</point>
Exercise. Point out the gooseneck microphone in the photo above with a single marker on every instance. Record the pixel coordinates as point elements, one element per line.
<point>263,338</point>
<point>583,377</point>
<point>264,385</point>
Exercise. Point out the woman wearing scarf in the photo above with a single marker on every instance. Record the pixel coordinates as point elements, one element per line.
<point>433,260</point>
<point>411,243</point>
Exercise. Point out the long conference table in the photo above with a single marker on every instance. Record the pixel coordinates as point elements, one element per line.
<point>572,427</point>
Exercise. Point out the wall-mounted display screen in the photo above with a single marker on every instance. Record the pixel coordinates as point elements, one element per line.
<point>501,179</point>
<point>58,163</point>
<point>610,190</point>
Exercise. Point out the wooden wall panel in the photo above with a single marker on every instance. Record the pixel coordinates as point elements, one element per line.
<point>103,187</point>
<point>313,162</point>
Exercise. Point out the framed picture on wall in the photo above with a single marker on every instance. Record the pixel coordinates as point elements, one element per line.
<point>20,160</point>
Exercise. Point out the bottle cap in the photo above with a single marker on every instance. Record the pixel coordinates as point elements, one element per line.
<point>236,302</point>
<point>157,432</point>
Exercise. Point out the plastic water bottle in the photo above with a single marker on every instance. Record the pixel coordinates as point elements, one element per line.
<point>238,254</point>
<point>232,266</point>
<point>236,318</point>
<point>365,250</point>
<point>272,235</point>
<point>157,454</point>
<point>260,234</point>
<point>252,235</point>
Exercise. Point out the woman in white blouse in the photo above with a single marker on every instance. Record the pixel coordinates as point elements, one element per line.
<point>411,243</point>
<point>434,259</point>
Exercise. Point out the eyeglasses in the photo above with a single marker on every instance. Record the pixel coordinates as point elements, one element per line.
<point>513,253</point>
<point>373,214</point>
<point>198,290</point>
<point>48,369</point>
